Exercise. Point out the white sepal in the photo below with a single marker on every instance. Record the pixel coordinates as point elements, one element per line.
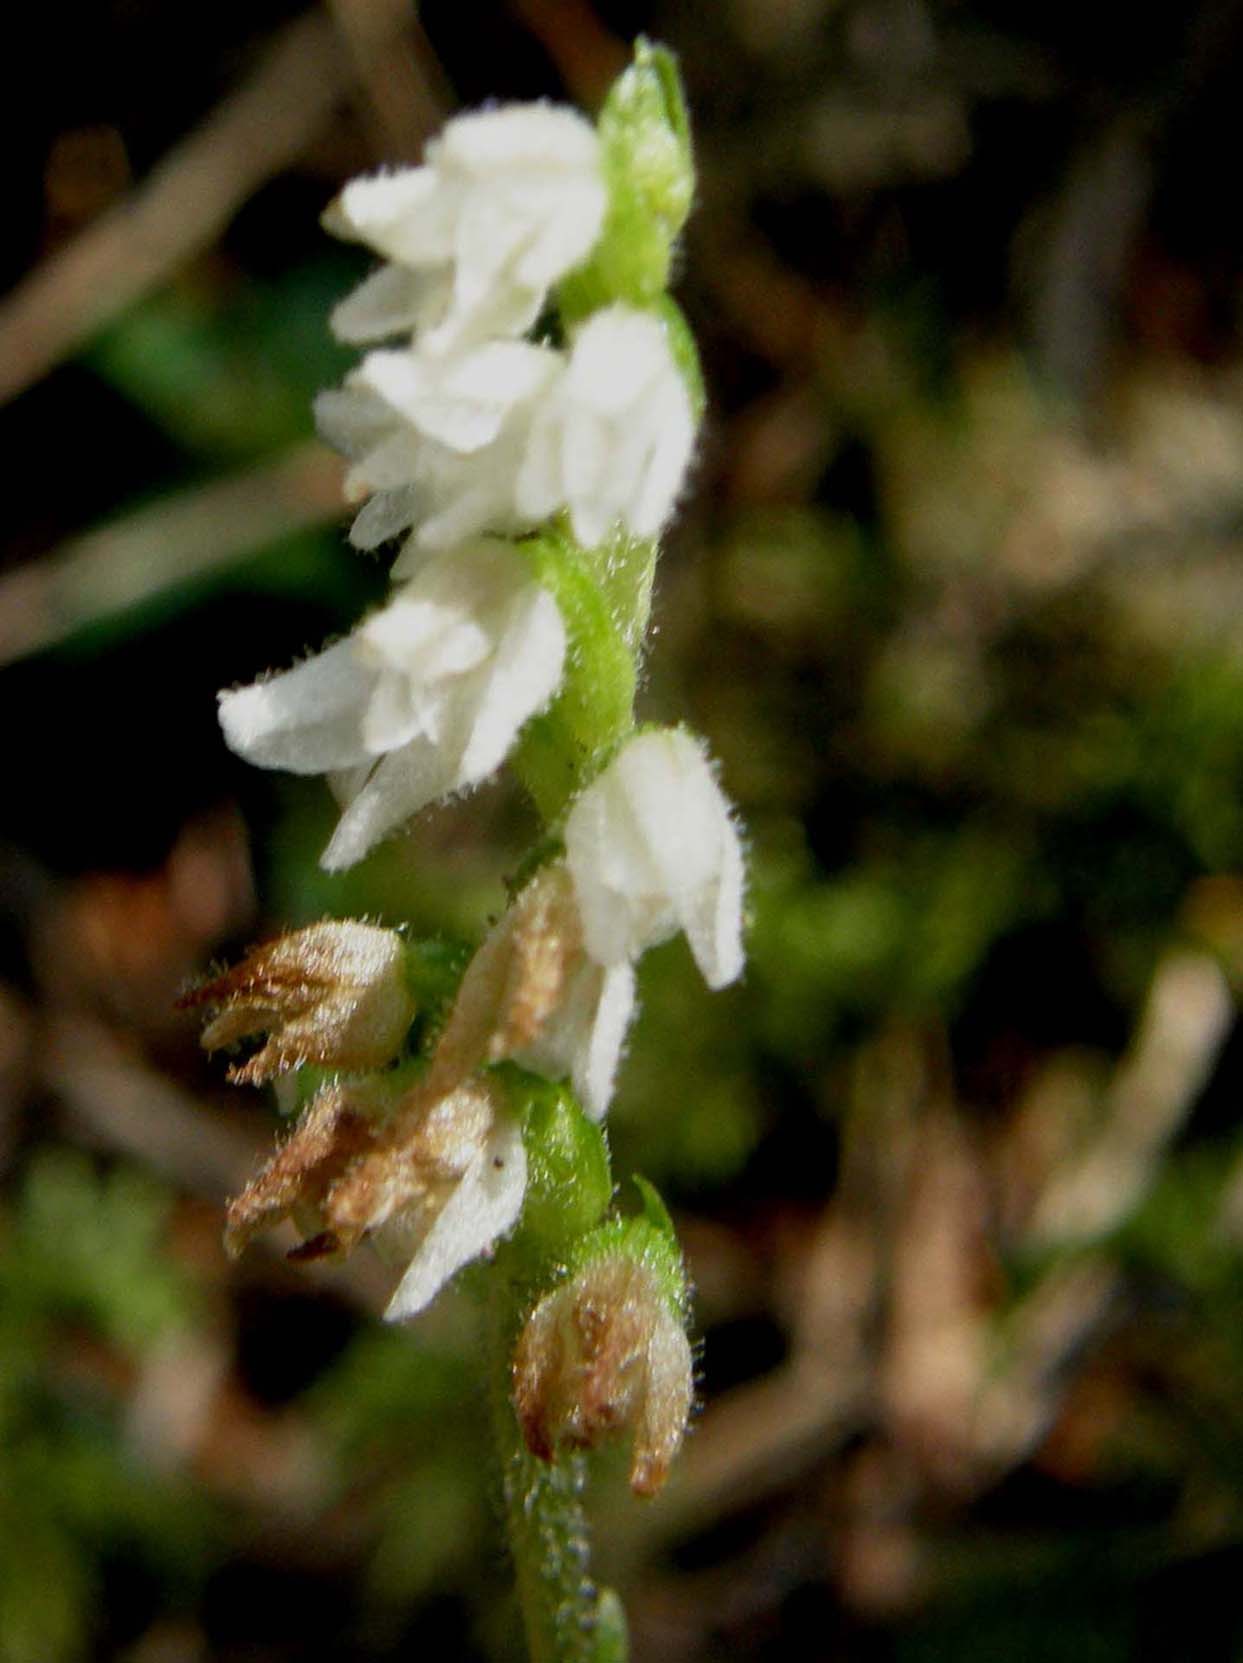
<point>652,849</point>
<point>306,721</point>
<point>392,301</point>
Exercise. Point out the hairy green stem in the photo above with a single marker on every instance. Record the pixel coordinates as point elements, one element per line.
<point>604,602</point>
<point>566,1617</point>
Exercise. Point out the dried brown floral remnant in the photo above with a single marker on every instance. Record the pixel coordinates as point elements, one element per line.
<point>534,995</point>
<point>516,980</point>
<point>433,1177</point>
<point>335,1129</point>
<point>600,1354</point>
<point>334,995</point>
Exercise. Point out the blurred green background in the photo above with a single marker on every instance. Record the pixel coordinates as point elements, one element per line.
<point>956,597</point>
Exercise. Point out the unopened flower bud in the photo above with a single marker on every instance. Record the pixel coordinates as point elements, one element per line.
<point>334,994</point>
<point>604,1353</point>
<point>646,160</point>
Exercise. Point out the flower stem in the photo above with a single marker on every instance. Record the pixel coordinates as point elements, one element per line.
<point>567,1618</point>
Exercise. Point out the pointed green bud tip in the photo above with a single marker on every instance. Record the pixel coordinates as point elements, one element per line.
<point>611,1639</point>
<point>650,176</point>
<point>654,1209</point>
<point>645,127</point>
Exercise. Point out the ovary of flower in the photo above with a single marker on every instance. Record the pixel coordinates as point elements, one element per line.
<point>612,440</point>
<point>424,699</point>
<point>439,441</point>
<point>507,202</point>
<point>652,849</point>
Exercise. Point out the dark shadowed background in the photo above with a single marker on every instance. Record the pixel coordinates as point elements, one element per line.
<point>957,598</point>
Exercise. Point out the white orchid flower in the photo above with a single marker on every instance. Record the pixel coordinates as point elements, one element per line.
<point>652,849</point>
<point>424,699</point>
<point>439,441</point>
<point>507,202</point>
<point>612,439</point>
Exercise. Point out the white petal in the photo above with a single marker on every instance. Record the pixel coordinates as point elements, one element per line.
<point>460,401</point>
<point>539,489</point>
<point>621,897</point>
<point>670,791</point>
<point>566,234</point>
<point>524,673</point>
<point>307,720</point>
<point>352,420</point>
<point>401,379</point>
<point>434,628</point>
<point>484,1206</point>
<point>542,137</point>
<point>399,786</point>
<point>587,463</point>
<point>657,491</point>
<point>391,301</point>
<point>491,234</point>
<point>477,502</point>
<point>391,465</point>
<point>346,783</point>
<point>618,355</point>
<point>500,307</point>
<point>406,215</point>
<point>713,920</point>
<point>386,515</point>
<point>593,1065</point>
<point>502,372</point>
<point>391,718</point>
<point>584,1036</point>
<point>410,561</point>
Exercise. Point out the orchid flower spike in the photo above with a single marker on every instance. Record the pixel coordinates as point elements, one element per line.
<point>507,202</point>
<point>424,699</point>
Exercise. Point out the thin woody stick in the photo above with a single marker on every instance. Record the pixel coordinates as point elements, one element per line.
<point>181,207</point>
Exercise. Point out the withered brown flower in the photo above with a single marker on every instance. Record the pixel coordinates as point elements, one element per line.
<point>600,1354</point>
<point>334,994</point>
